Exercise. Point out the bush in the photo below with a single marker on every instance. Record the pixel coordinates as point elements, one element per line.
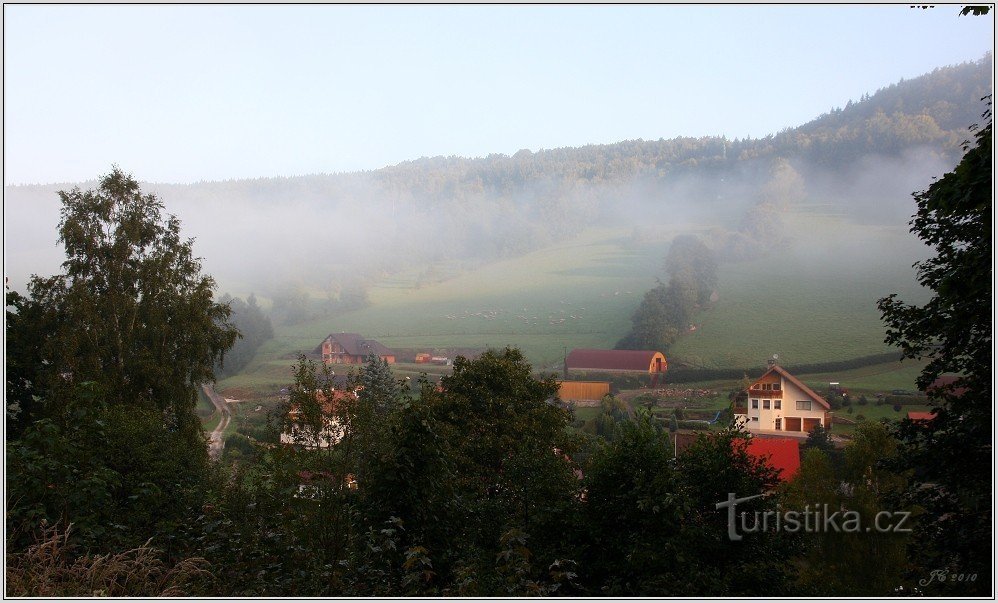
<point>48,569</point>
<point>242,444</point>
<point>689,374</point>
<point>694,425</point>
<point>904,400</point>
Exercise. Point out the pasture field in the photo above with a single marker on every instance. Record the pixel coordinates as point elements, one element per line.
<point>812,300</point>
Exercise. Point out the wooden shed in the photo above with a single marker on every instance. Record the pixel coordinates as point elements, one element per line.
<point>583,390</point>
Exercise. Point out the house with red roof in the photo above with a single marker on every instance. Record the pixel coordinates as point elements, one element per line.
<point>919,416</point>
<point>643,361</point>
<point>946,384</point>
<point>778,402</point>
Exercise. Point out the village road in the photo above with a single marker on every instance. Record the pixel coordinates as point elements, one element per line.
<point>215,442</point>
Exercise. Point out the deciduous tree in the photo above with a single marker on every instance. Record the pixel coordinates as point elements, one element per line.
<point>952,454</point>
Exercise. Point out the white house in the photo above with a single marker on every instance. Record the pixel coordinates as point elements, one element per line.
<point>778,401</point>
<point>332,431</point>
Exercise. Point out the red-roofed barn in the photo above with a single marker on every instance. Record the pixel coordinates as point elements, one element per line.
<point>645,361</point>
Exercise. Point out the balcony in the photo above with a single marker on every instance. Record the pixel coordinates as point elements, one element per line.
<point>765,393</point>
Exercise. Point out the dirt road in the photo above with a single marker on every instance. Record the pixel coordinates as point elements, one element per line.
<point>215,442</point>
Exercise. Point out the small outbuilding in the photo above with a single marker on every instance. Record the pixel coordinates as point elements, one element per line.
<point>583,390</point>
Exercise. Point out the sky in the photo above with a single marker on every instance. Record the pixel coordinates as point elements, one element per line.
<point>184,93</point>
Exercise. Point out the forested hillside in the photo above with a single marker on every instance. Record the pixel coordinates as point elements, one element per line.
<point>330,232</point>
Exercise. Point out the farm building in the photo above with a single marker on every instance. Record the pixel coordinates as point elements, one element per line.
<point>778,402</point>
<point>583,390</point>
<point>645,361</point>
<point>351,348</point>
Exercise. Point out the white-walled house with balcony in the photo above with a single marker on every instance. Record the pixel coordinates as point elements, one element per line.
<point>779,403</point>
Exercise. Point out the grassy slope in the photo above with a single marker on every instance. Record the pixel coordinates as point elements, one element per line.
<point>812,300</point>
<point>599,278</point>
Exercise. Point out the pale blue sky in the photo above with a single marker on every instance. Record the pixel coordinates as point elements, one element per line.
<point>185,93</point>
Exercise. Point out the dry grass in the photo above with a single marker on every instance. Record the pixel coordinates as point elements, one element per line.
<point>48,569</point>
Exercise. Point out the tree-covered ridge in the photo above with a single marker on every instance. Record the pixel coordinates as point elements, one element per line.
<point>931,109</point>
<point>475,210</point>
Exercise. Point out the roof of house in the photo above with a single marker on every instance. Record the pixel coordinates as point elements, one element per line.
<point>330,406</point>
<point>943,384</point>
<point>915,415</point>
<point>783,454</point>
<point>355,345</point>
<point>807,390</point>
<point>614,360</point>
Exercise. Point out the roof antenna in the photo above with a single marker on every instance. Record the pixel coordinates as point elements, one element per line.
<point>772,361</point>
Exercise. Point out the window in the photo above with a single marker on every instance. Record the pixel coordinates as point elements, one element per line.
<point>755,403</point>
<point>803,405</point>
<point>765,404</point>
<point>777,404</point>
<point>755,418</point>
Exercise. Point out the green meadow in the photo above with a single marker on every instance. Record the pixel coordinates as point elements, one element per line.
<point>813,299</point>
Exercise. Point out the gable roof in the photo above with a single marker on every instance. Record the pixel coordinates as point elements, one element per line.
<point>613,360</point>
<point>355,345</point>
<point>807,390</point>
<point>783,454</point>
<point>330,405</point>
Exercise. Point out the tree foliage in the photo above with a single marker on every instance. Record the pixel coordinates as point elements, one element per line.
<point>131,313</point>
<point>665,312</point>
<point>254,329</point>
<point>105,362</point>
<point>953,331</point>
